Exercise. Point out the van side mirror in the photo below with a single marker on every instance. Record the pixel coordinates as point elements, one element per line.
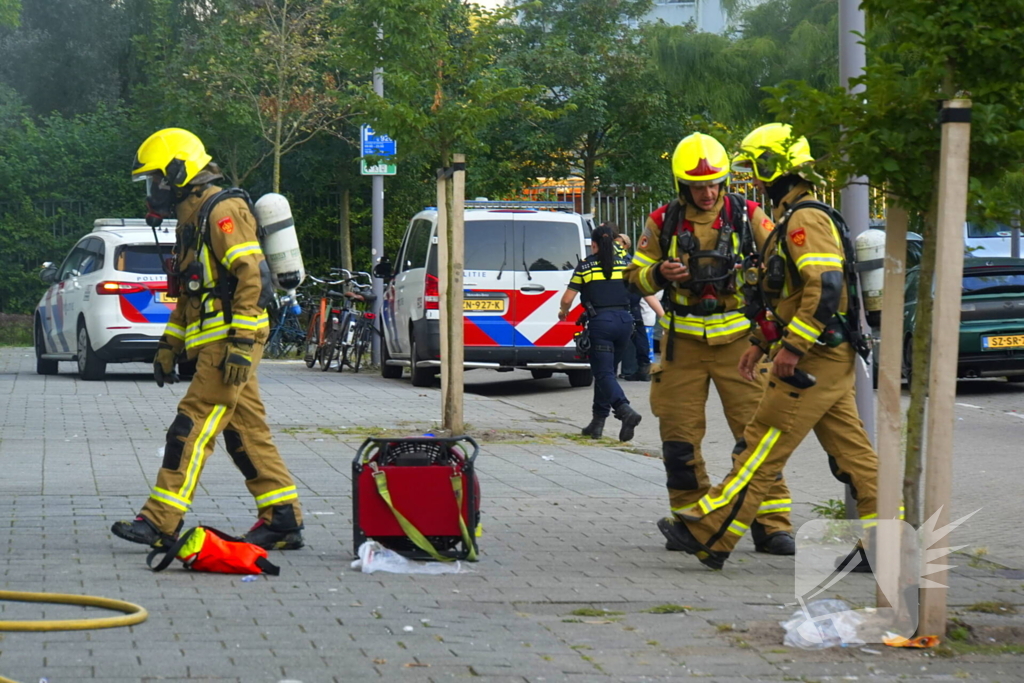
<point>48,274</point>
<point>382,270</point>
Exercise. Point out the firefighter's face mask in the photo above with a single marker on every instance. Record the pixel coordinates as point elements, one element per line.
<point>161,197</point>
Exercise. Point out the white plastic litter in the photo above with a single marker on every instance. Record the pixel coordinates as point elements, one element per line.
<point>826,623</point>
<point>547,457</point>
<point>373,557</point>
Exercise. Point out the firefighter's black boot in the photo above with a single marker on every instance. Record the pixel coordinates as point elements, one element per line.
<point>595,428</point>
<point>779,543</point>
<point>680,538</point>
<point>141,530</point>
<point>630,419</point>
<point>282,533</point>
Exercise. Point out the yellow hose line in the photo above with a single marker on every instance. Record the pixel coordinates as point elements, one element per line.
<point>134,614</point>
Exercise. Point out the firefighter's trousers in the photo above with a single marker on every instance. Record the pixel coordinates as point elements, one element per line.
<point>679,393</point>
<point>783,418</point>
<point>208,408</point>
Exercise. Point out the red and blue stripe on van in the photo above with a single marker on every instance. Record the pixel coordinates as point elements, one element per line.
<point>520,313</point>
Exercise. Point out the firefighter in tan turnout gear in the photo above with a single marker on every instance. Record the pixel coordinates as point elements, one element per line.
<point>220,319</point>
<point>690,248</point>
<point>803,329</point>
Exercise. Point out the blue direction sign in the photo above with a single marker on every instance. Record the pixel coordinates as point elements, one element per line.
<point>376,145</point>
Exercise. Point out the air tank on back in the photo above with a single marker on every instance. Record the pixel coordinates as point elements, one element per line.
<point>280,243</point>
<point>870,246</point>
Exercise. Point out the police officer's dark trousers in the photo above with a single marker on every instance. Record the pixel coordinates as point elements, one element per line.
<point>640,343</point>
<point>610,330</point>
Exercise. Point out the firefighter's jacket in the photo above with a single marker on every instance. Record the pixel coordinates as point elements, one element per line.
<point>727,323</point>
<point>815,289</point>
<point>200,320</point>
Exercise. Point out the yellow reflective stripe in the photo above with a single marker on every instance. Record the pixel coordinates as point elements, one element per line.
<point>176,331</point>
<point>780,505</point>
<point>642,260</point>
<point>595,275</point>
<point>647,279</point>
<point>802,329</point>
<point>207,267</point>
<point>685,508</point>
<point>169,498</point>
<point>278,496</point>
<point>739,528</point>
<point>576,279</point>
<point>207,336</point>
<point>730,325</point>
<point>199,449</point>
<point>819,260</point>
<point>709,503</point>
<point>250,322</point>
<point>240,250</point>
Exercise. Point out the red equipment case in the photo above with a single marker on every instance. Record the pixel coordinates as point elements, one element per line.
<point>422,476</point>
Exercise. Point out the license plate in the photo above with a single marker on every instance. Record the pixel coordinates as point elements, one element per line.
<point>483,305</point>
<point>164,299</point>
<point>1011,341</point>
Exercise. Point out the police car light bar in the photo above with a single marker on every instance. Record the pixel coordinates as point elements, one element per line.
<point>115,223</point>
<point>560,206</point>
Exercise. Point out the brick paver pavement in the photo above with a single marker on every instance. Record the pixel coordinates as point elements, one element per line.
<point>568,526</point>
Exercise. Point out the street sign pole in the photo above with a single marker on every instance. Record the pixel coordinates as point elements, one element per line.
<point>377,229</point>
<point>855,199</point>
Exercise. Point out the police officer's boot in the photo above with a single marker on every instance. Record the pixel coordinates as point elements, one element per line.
<point>595,428</point>
<point>282,533</point>
<point>779,543</point>
<point>630,419</point>
<point>141,530</point>
<point>642,374</point>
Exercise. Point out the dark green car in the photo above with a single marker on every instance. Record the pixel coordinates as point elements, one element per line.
<point>991,319</point>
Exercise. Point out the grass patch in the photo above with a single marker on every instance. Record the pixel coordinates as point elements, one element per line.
<point>830,509</point>
<point>675,609</point>
<point>591,612</point>
<point>953,648</point>
<point>959,633</point>
<point>15,329</point>
<point>724,628</point>
<point>993,608</point>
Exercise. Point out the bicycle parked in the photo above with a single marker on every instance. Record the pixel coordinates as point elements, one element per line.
<point>287,333</point>
<point>322,330</point>
<point>359,326</point>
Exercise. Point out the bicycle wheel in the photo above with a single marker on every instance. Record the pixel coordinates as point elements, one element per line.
<point>274,346</point>
<point>329,349</point>
<point>362,343</point>
<point>344,346</point>
<point>313,340</point>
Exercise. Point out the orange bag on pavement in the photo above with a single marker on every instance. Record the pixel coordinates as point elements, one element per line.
<point>205,549</point>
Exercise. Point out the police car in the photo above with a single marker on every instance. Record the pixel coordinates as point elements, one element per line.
<point>107,302</point>
<point>519,257</point>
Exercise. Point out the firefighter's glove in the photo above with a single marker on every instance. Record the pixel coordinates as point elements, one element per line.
<point>238,364</point>
<point>163,364</point>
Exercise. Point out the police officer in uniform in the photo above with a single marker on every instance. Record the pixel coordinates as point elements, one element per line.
<point>599,281</point>
<point>690,248</point>
<point>220,320</point>
<point>808,340</point>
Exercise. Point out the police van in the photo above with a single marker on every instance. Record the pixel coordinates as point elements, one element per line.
<point>519,257</point>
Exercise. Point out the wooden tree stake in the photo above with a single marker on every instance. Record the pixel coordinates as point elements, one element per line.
<point>945,333</point>
<point>889,421</point>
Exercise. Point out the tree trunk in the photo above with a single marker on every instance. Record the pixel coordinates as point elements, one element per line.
<point>345,231</point>
<point>588,184</point>
<point>920,363</point>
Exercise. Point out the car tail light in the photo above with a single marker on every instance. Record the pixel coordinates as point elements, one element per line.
<point>109,287</point>
<point>431,295</point>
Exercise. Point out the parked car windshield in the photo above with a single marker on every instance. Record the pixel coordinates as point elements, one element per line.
<point>145,259</point>
<point>988,229</point>
<point>994,283</point>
